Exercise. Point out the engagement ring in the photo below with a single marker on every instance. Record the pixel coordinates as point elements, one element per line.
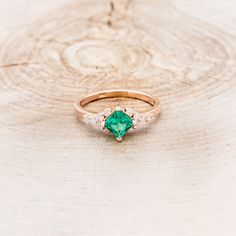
<point>118,120</point>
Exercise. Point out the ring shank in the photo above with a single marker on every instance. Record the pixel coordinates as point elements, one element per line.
<point>80,103</point>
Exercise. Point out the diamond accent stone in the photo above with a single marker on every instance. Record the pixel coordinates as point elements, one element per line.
<point>107,112</point>
<point>143,119</point>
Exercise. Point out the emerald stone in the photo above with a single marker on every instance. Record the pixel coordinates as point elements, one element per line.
<point>118,123</point>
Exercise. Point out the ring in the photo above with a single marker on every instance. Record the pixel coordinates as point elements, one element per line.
<point>118,120</point>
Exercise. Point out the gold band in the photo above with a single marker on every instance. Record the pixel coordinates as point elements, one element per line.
<point>81,102</point>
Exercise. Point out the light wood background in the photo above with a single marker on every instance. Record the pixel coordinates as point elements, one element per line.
<point>59,178</point>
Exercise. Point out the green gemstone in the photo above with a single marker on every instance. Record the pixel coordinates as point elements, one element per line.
<point>118,123</point>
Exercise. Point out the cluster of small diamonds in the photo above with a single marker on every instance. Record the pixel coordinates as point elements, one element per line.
<point>140,120</point>
<point>97,120</point>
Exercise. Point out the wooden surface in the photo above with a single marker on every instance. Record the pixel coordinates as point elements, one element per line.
<point>59,178</point>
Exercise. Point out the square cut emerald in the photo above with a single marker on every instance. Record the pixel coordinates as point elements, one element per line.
<point>118,123</point>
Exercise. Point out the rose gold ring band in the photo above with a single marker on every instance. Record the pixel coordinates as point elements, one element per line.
<point>81,102</point>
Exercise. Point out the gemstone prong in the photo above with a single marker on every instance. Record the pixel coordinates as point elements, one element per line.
<point>103,124</point>
<point>119,139</point>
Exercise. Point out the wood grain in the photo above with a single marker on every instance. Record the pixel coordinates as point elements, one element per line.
<point>59,178</point>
